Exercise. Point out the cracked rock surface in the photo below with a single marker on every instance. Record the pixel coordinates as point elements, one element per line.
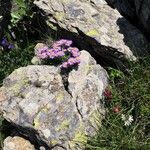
<point>34,97</point>
<point>110,34</point>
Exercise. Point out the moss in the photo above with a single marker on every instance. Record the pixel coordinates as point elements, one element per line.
<point>80,139</point>
<point>65,1</point>
<point>59,16</point>
<point>53,142</point>
<point>88,67</point>
<point>51,26</point>
<point>46,109</point>
<point>60,96</point>
<point>36,122</point>
<point>92,32</point>
<point>63,125</point>
<point>95,119</point>
<point>17,87</point>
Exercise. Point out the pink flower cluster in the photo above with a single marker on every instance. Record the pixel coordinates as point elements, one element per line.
<point>61,49</point>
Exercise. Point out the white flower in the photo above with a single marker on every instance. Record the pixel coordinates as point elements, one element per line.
<point>127,121</point>
<point>130,118</point>
<point>1,17</point>
<point>123,117</point>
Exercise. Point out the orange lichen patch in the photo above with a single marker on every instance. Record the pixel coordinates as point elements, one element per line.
<point>2,95</point>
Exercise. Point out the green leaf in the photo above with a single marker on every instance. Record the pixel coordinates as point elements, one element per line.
<point>21,3</point>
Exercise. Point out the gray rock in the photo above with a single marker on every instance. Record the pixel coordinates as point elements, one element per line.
<point>17,143</point>
<point>34,97</point>
<point>98,25</point>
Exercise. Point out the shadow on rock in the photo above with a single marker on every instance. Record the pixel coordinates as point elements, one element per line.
<point>10,129</point>
<point>133,38</point>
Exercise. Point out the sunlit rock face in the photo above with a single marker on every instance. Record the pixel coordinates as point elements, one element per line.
<point>35,100</point>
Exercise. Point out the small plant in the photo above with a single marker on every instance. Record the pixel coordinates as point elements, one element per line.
<point>60,51</point>
<point>5,44</point>
<point>22,9</point>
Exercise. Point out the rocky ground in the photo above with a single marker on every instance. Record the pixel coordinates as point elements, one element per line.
<point>50,107</point>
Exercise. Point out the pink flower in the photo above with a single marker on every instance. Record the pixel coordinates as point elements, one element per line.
<point>64,50</point>
<point>75,54</point>
<point>77,60</point>
<point>107,93</point>
<point>62,42</point>
<point>43,56</point>
<point>51,54</point>
<point>60,54</point>
<point>68,43</point>
<point>117,109</point>
<point>64,65</point>
<point>71,61</point>
<point>43,49</point>
<point>73,49</point>
<point>59,49</point>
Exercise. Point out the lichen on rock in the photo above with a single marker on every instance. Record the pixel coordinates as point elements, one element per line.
<point>61,118</point>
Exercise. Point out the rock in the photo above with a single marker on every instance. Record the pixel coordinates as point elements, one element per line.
<point>2,94</point>
<point>134,9</point>
<point>17,143</point>
<point>36,60</point>
<point>35,99</point>
<point>109,34</point>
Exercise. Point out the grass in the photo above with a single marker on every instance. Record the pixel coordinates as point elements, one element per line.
<point>9,61</point>
<point>131,94</point>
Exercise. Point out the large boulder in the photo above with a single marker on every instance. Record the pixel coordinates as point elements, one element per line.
<point>97,25</point>
<point>134,9</point>
<point>35,100</point>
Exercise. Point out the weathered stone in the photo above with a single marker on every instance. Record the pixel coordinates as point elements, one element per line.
<point>17,143</point>
<point>102,27</point>
<point>2,95</point>
<point>37,99</point>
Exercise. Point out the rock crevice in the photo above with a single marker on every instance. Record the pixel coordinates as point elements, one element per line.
<point>48,112</point>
